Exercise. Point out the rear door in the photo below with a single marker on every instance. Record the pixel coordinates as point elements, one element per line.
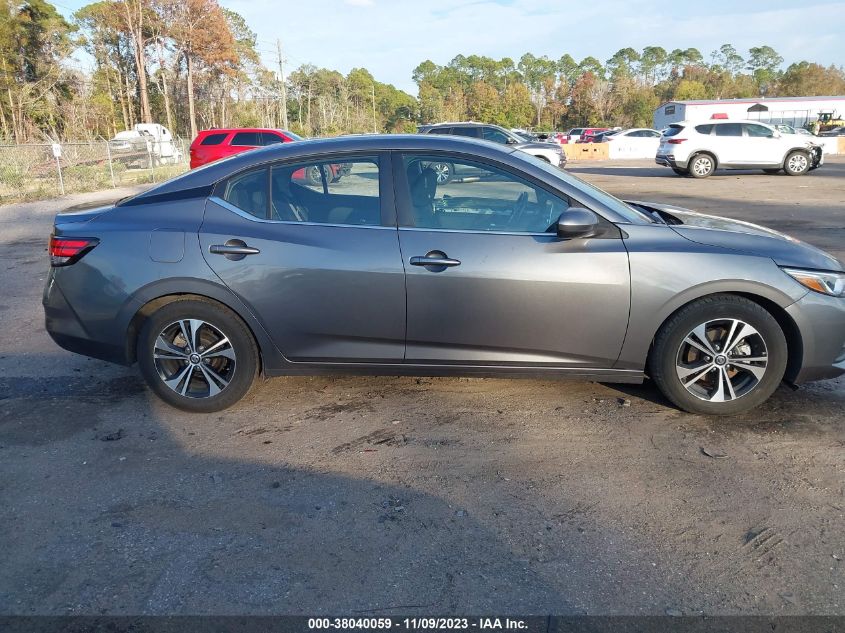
<point>488,280</point>
<point>317,263</point>
<point>727,142</point>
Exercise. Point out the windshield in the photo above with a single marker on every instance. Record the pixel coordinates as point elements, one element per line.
<point>295,137</point>
<point>631,214</point>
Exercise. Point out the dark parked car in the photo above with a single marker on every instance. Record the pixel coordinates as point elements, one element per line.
<point>544,150</point>
<point>523,270</point>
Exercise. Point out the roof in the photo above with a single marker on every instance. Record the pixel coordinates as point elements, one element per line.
<point>213,172</point>
<point>753,100</point>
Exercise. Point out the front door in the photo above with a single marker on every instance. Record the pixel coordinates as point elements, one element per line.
<point>490,283</point>
<point>316,259</point>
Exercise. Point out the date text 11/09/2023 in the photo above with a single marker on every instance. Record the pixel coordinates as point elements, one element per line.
<point>419,624</point>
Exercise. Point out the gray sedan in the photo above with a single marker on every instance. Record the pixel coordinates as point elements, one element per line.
<point>518,269</point>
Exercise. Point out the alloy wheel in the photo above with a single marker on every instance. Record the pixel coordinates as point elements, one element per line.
<point>722,360</point>
<point>702,166</point>
<point>442,172</point>
<point>194,358</point>
<point>797,163</point>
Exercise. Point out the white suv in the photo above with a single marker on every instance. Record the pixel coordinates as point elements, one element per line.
<point>698,149</point>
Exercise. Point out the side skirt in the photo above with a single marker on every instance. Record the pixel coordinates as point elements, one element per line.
<point>479,371</point>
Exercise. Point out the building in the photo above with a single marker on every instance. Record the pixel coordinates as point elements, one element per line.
<point>795,111</point>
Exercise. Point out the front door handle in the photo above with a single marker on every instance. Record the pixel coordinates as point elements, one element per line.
<point>435,260</point>
<point>233,249</point>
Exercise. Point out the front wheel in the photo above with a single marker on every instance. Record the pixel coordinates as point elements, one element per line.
<point>719,355</point>
<point>197,356</point>
<point>797,163</point>
<point>443,172</point>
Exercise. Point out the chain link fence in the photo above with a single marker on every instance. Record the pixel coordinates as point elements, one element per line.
<point>46,170</point>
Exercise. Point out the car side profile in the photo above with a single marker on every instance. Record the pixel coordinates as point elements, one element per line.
<point>240,268</point>
<point>217,143</point>
<point>697,149</point>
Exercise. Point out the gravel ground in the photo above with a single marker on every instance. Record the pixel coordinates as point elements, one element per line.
<point>417,496</point>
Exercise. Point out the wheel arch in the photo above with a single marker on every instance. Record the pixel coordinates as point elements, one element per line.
<point>150,299</point>
<point>710,153</point>
<point>794,340</point>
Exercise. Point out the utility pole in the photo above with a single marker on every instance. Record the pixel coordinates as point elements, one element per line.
<point>375,130</point>
<point>282,79</point>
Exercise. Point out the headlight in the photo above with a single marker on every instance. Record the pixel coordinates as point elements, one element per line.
<point>828,283</point>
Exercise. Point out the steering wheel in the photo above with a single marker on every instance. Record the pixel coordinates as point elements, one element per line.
<point>519,207</point>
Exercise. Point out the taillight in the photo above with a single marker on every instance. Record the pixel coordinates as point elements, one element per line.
<point>676,141</point>
<point>68,250</point>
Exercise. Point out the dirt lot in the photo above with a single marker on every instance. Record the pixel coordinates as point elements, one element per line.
<point>420,496</point>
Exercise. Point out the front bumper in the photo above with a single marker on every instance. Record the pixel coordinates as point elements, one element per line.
<point>821,322</point>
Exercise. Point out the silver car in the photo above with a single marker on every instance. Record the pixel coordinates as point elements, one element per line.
<point>245,266</point>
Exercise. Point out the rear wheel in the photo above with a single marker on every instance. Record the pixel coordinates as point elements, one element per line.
<point>797,163</point>
<point>702,165</point>
<point>197,355</point>
<point>719,355</point>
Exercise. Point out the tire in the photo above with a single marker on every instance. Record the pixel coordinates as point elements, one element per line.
<point>444,172</point>
<point>797,163</point>
<point>197,384</point>
<point>772,171</point>
<point>701,166</point>
<point>313,176</point>
<point>680,172</point>
<point>719,383</point>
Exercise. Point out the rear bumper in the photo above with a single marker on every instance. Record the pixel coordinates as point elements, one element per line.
<point>821,321</point>
<point>65,328</point>
<point>668,160</point>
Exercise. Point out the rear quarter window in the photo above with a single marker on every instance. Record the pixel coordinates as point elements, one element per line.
<point>704,129</point>
<point>214,139</point>
<point>672,130</point>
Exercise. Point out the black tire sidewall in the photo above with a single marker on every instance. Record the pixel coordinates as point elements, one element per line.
<point>229,324</point>
<point>668,341</point>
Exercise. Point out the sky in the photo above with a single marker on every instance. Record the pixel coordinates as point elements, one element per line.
<point>390,37</point>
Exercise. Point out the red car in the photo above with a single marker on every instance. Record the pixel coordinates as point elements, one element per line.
<point>589,134</point>
<point>214,144</point>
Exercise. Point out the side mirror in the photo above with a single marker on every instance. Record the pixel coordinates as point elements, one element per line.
<point>577,222</point>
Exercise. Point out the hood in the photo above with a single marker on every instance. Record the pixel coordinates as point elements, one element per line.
<point>736,235</point>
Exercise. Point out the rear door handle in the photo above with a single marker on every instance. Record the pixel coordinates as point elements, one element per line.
<point>233,249</point>
<point>434,259</point>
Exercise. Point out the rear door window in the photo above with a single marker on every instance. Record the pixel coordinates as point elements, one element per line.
<point>728,129</point>
<point>344,191</point>
<point>248,192</point>
<point>247,139</point>
<point>465,130</point>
